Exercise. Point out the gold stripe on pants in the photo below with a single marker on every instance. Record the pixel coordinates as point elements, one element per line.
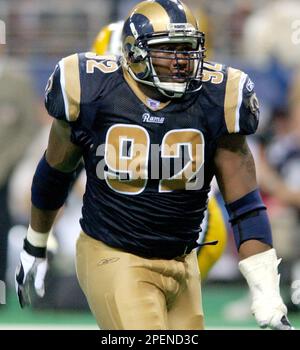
<point>125,291</point>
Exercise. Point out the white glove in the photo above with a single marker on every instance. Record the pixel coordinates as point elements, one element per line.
<point>30,268</point>
<point>260,271</point>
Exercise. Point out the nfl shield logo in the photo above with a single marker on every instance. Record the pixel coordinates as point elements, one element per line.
<point>153,103</point>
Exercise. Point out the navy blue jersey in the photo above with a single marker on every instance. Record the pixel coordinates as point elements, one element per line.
<point>149,164</point>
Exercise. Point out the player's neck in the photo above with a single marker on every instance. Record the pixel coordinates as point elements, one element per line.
<point>146,90</point>
<point>149,97</point>
<point>152,93</point>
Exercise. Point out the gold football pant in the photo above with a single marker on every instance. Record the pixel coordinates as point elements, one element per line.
<point>125,291</point>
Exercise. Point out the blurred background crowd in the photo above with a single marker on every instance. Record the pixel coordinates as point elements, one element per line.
<point>261,37</point>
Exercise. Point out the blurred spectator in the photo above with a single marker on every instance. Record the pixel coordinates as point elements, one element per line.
<point>280,168</point>
<point>17,125</point>
<point>278,173</point>
<point>237,21</point>
<point>269,49</point>
<point>53,28</point>
<point>268,33</point>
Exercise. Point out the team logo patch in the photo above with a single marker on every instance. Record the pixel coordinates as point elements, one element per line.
<point>153,103</point>
<point>50,83</point>
<point>147,118</point>
<point>254,104</point>
<point>250,85</point>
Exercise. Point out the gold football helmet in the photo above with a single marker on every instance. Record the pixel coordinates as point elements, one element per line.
<point>156,22</point>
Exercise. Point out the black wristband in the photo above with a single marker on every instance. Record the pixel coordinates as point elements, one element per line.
<point>38,252</point>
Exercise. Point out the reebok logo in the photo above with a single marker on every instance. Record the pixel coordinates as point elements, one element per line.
<point>147,118</point>
<point>107,261</point>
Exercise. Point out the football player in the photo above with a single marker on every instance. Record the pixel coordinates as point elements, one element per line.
<point>154,128</point>
<point>108,42</point>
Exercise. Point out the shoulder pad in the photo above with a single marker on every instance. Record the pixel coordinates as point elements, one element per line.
<point>214,81</point>
<point>63,90</point>
<point>241,108</point>
<point>97,75</point>
<point>79,80</point>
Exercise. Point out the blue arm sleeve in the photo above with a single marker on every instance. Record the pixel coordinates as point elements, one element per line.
<point>50,187</point>
<point>249,219</point>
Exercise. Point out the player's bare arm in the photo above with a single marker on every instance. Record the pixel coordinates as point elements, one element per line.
<point>61,153</point>
<point>63,156</point>
<point>53,177</point>
<point>235,171</point>
<point>236,176</point>
<point>235,167</point>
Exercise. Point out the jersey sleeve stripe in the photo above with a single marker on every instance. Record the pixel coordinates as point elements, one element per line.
<point>63,89</point>
<point>233,98</point>
<point>240,99</point>
<point>70,85</point>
